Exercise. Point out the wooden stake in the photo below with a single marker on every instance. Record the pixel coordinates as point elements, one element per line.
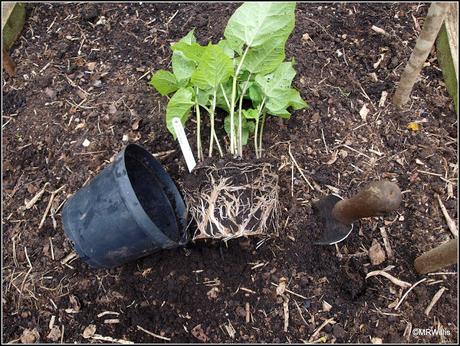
<point>431,27</point>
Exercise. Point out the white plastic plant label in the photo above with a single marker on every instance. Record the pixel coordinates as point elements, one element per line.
<point>184,144</point>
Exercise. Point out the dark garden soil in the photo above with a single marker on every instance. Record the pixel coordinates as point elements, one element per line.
<point>82,73</point>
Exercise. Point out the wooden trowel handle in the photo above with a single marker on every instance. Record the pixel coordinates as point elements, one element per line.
<point>437,258</point>
<point>376,199</point>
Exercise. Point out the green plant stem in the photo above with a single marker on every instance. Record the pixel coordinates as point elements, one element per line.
<point>218,145</point>
<point>213,132</point>
<point>207,109</point>
<point>261,133</point>
<point>240,120</point>
<point>232,104</point>
<point>225,96</point>
<point>258,147</point>
<point>198,132</point>
<point>255,137</point>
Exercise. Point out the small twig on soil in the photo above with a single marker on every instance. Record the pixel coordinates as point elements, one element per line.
<point>34,199</point>
<point>69,257</point>
<point>163,153</point>
<point>351,255</point>
<point>322,27</point>
<point>357,168</point>
<point>261,242</point>
<point>390,277</point>
<point>153,334</point>
<point>54,304</point>
<point>407,292</point>
<point>28,272</point>
<point>230,330</point>
<point>379,30</point>
<point>300,170</point>
<point>386,242</point>
<point>385,313</point>
<point>145,74</point>
<point>112,321</point>
<point>51,248</point>
<point>48,207</point>
<point>333,189</point>
<point>258,265</point>
<point>324,141</point>
<point>434,300</point>
<point>339,254</point>
<point>91,152</point>
<point>280,289</point>
<point>14,341</point>
<point>450,222</point>
<point>51,323</point>
<point>15,259</point>
<point>108,313</point>
<point>300,312</point>
<point>443,273</point>
<point>172,17</point>
<point>352,149</point>
<point>324,324</point>
<point>81,44</point>
<point>436,175</point>
<point>110,339</point>
<point>293,293</point>
<point>248,290</point>
<point>248,313</point>
<point>286,312</point>
<point>366,95</point>
<point>431,283</point>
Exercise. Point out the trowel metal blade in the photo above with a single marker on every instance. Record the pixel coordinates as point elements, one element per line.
<point>333,231</point>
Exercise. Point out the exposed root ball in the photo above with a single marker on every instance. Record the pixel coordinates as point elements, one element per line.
<point>235,200</point>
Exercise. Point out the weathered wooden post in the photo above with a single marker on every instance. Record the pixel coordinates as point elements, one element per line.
<point>425,41</point>
<point>447,52</point>
<point>13,16</point>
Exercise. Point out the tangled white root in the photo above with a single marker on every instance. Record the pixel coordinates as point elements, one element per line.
<point>236,200</point>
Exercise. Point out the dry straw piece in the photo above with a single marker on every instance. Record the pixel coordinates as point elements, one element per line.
<point>234,200</point>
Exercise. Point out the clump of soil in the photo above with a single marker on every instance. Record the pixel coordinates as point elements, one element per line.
<point>231,199</point>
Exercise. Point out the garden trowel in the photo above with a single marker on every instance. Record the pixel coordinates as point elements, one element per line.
<point>337,215</point>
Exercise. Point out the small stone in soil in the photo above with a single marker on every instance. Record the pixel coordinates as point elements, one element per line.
<point>54,334</point>
<point>50,93</point>
<point>89,331</point>
<point>25,314</point>
<point>377,340</point>
<point>30,336</point>
<point>376,253</point>
<point>112,109</point>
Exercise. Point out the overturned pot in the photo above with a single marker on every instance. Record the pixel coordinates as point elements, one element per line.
<point>129,210</point>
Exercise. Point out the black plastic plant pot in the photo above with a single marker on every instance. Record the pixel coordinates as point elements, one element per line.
<point>130,210</point>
